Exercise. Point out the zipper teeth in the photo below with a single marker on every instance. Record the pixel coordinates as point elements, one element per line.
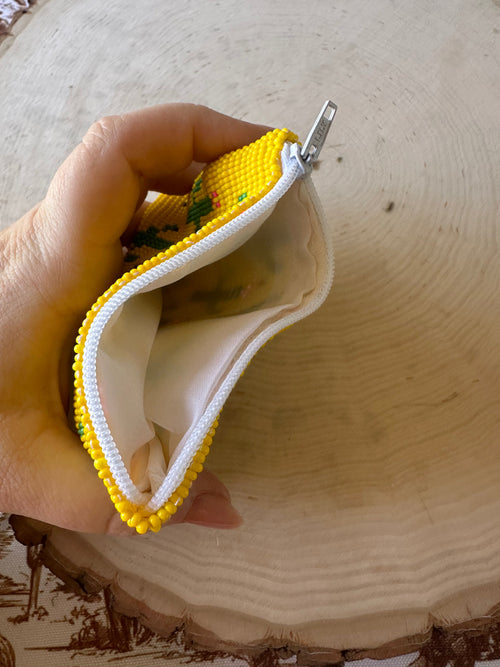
<point>240,365</point>
<point>292,169</point>
<point>89,416</point>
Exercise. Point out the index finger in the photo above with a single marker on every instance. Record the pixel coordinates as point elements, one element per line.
<point>96,190</point>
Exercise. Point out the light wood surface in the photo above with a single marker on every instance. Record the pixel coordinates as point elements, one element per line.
<point>361,446</point>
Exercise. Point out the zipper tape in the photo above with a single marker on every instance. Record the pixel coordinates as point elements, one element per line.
<point>291,171</point>
<point>139,509</point>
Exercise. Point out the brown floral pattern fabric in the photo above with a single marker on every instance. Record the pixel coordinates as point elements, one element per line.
<point>43,621</point>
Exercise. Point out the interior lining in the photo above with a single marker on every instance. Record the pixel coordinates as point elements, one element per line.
<point>164,355</point>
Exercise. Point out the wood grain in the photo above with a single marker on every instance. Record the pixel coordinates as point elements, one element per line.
<point>361,446</point>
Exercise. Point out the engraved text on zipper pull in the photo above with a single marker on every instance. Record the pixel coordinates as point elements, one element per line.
<point>319,131</point>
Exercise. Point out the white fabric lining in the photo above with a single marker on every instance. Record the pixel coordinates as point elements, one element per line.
<point>180,372</point>
<point>177,394</point>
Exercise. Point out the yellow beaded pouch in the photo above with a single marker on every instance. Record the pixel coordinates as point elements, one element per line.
<point>211,276</point>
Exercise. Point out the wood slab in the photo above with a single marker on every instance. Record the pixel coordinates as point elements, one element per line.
<point>361,446</point>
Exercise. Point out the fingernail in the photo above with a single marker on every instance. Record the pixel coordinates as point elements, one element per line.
<point>214,510</point>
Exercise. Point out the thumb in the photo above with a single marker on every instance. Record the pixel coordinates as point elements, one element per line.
<point>57,484</point>
<point>208,504</point>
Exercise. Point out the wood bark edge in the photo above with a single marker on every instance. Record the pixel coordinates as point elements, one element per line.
<point>30,532</point>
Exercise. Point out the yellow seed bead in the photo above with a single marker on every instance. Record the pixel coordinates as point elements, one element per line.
<point>100,464</point>
<point>142,527</point>
<point>205,449</point>
<point>162,514</point>
<point>103,473</point>
<point>197,467</point>
<point>135,519</point>
<point>199,457</point>
<point>116,498</point>
<point>125,516</point>
<point>176,499</point>
<point>122,506</point>
<point>114,489</point>
<point>183,491</point>
<point>155,522</point>
<point>170,507</point>
<point>191,474</point>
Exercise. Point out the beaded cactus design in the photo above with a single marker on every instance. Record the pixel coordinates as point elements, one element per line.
<point>172,223</point>
<point>222,191</point>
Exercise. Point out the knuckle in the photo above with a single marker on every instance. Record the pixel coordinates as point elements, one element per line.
<point>199,109</point>
<point>191,111</point>
<point>103,132</point>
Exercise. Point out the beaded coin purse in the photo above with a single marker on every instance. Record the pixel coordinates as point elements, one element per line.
<point>211,276</point>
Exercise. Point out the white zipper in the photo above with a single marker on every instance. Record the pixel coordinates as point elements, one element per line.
<point>296,162</point>
<point>178,470</point>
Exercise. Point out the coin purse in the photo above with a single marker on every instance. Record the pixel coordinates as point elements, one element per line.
<point>210,277</point>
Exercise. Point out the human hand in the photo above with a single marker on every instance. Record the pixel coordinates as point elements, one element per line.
<point>54,262</point>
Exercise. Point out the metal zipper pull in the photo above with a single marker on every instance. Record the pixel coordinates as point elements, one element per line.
<point>319,131</point>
